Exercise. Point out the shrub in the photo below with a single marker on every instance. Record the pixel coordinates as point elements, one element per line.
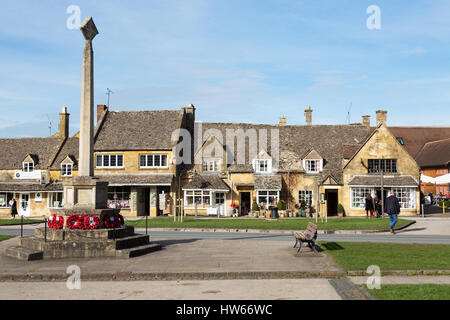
<point>280,205</point>
<point>255,206</point>
<point>340,208</point>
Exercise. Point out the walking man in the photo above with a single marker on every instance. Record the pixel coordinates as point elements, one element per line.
<point>392,208</point>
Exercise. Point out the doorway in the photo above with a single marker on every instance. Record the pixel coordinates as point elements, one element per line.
<point>164,201</point>
<point>146,201</point>
<point>24,204</point>
<point>245,202</point>
<point>332,202</point>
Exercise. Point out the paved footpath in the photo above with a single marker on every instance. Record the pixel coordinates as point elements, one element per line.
<point>277,289</point>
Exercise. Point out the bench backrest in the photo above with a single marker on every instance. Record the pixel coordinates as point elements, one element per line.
<point>311,230</point>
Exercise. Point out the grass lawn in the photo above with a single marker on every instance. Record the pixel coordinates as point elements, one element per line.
<point>17,221</point>
<point>5,237</point>
<point>280,224</point>
<point>353,256</point>
<point>411,292</point>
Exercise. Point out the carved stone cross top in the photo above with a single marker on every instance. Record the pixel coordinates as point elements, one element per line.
<point>89,29</point>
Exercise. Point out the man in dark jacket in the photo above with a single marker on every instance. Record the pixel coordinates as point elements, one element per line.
<point>392,208</point>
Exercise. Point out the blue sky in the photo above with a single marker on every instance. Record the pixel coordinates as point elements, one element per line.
<point>236,61</point>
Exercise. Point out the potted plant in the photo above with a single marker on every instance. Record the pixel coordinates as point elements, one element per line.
<point>255,208</point>
<point>341,211</point>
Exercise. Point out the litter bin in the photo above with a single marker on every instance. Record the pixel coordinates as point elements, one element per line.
<point>274,213</point>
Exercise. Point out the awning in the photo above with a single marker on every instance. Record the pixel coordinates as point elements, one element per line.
<point>427,179</point>
<point>265,182</point>
<point>388,181</point>
<point>30,187</point>
<point>443,179</point>
<point>138,180</point>
<point>210,182</point>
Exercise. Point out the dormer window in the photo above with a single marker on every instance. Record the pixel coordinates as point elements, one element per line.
<point>262,166</point>
<point>66,170</point>
<point>27,166</point>
<point>211,165</point>
<point>312,165</point>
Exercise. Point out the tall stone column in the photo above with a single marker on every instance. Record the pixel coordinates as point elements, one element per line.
<point>86,148</point>
<point>86,192</point>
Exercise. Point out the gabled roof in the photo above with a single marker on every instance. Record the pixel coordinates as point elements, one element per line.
<point>207,182</point>
<point>137,130</point>
<point>434,154</point>
<point>14,151</point>
<point>295,142</point>
<point>69,149</point>
<point>416,137</point>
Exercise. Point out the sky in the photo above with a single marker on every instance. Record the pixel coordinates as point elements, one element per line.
<point>234,60</point>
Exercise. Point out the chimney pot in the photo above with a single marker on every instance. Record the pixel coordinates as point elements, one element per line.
<point>308,115</point>
<point>381,117</point>
<point>282,122</point>
<point>100,109</point>
<point>366,121</point>
<point>64,123</point>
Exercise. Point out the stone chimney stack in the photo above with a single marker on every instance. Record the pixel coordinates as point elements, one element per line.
<point>64,123</point>
<point>366,121</point>
<point>381,117</point>
<point>308,116</point>
<point>282,122</point>
<point>100,109</point>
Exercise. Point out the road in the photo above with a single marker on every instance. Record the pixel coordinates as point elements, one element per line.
<point>400,237</point>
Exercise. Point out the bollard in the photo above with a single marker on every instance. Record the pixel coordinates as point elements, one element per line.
<point>423,211</point>
<point>146,223</point>
<point>21,226</point>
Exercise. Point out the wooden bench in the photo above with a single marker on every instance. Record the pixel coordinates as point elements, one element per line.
<point>309,236</point>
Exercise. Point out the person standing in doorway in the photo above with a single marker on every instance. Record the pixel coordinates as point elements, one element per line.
<point>392,208</point>
<point>13,208</point>
<point>369,206</point>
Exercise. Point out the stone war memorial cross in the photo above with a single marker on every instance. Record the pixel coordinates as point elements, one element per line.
<point>85,228</point>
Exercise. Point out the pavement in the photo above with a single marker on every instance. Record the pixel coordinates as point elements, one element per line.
<point>211,266</point>
<point>189,258</point>
<point>269,289</point>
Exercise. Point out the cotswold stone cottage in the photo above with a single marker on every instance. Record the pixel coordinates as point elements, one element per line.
<point>226,165</point>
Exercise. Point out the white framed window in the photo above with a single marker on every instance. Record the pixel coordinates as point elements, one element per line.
<point>27,166</point>
<point>109,161</point>
<point>220,198</point>
<point>66,169</point>
<point>55,200</point>
<point>312,165</point>
<point>153,161</point>
<point>211,165</point>
<point>119,197</point>
<point>267,198</point>
<point>262,165</point>
<point>406,197</point>
<point>306,196</point>
<point>358,197</point>
<point>5,198</point>
<point>199,198</point>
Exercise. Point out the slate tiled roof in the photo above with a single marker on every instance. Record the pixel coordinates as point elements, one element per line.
<point>296,141</point>
<point>30,186</point>
<point>206,182</point>
<point>70,148</point>
<point>416,137</point>
<point>129,180</point>
<point>137,130</point>
<point>266,182</point>
<point>388,181</point>
<point>14,151</point>
<point>434,154</point>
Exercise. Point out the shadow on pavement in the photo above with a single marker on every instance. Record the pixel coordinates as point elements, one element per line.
<point>166,243</point>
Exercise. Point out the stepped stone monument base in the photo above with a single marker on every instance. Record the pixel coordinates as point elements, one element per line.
<point>97,243</point>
